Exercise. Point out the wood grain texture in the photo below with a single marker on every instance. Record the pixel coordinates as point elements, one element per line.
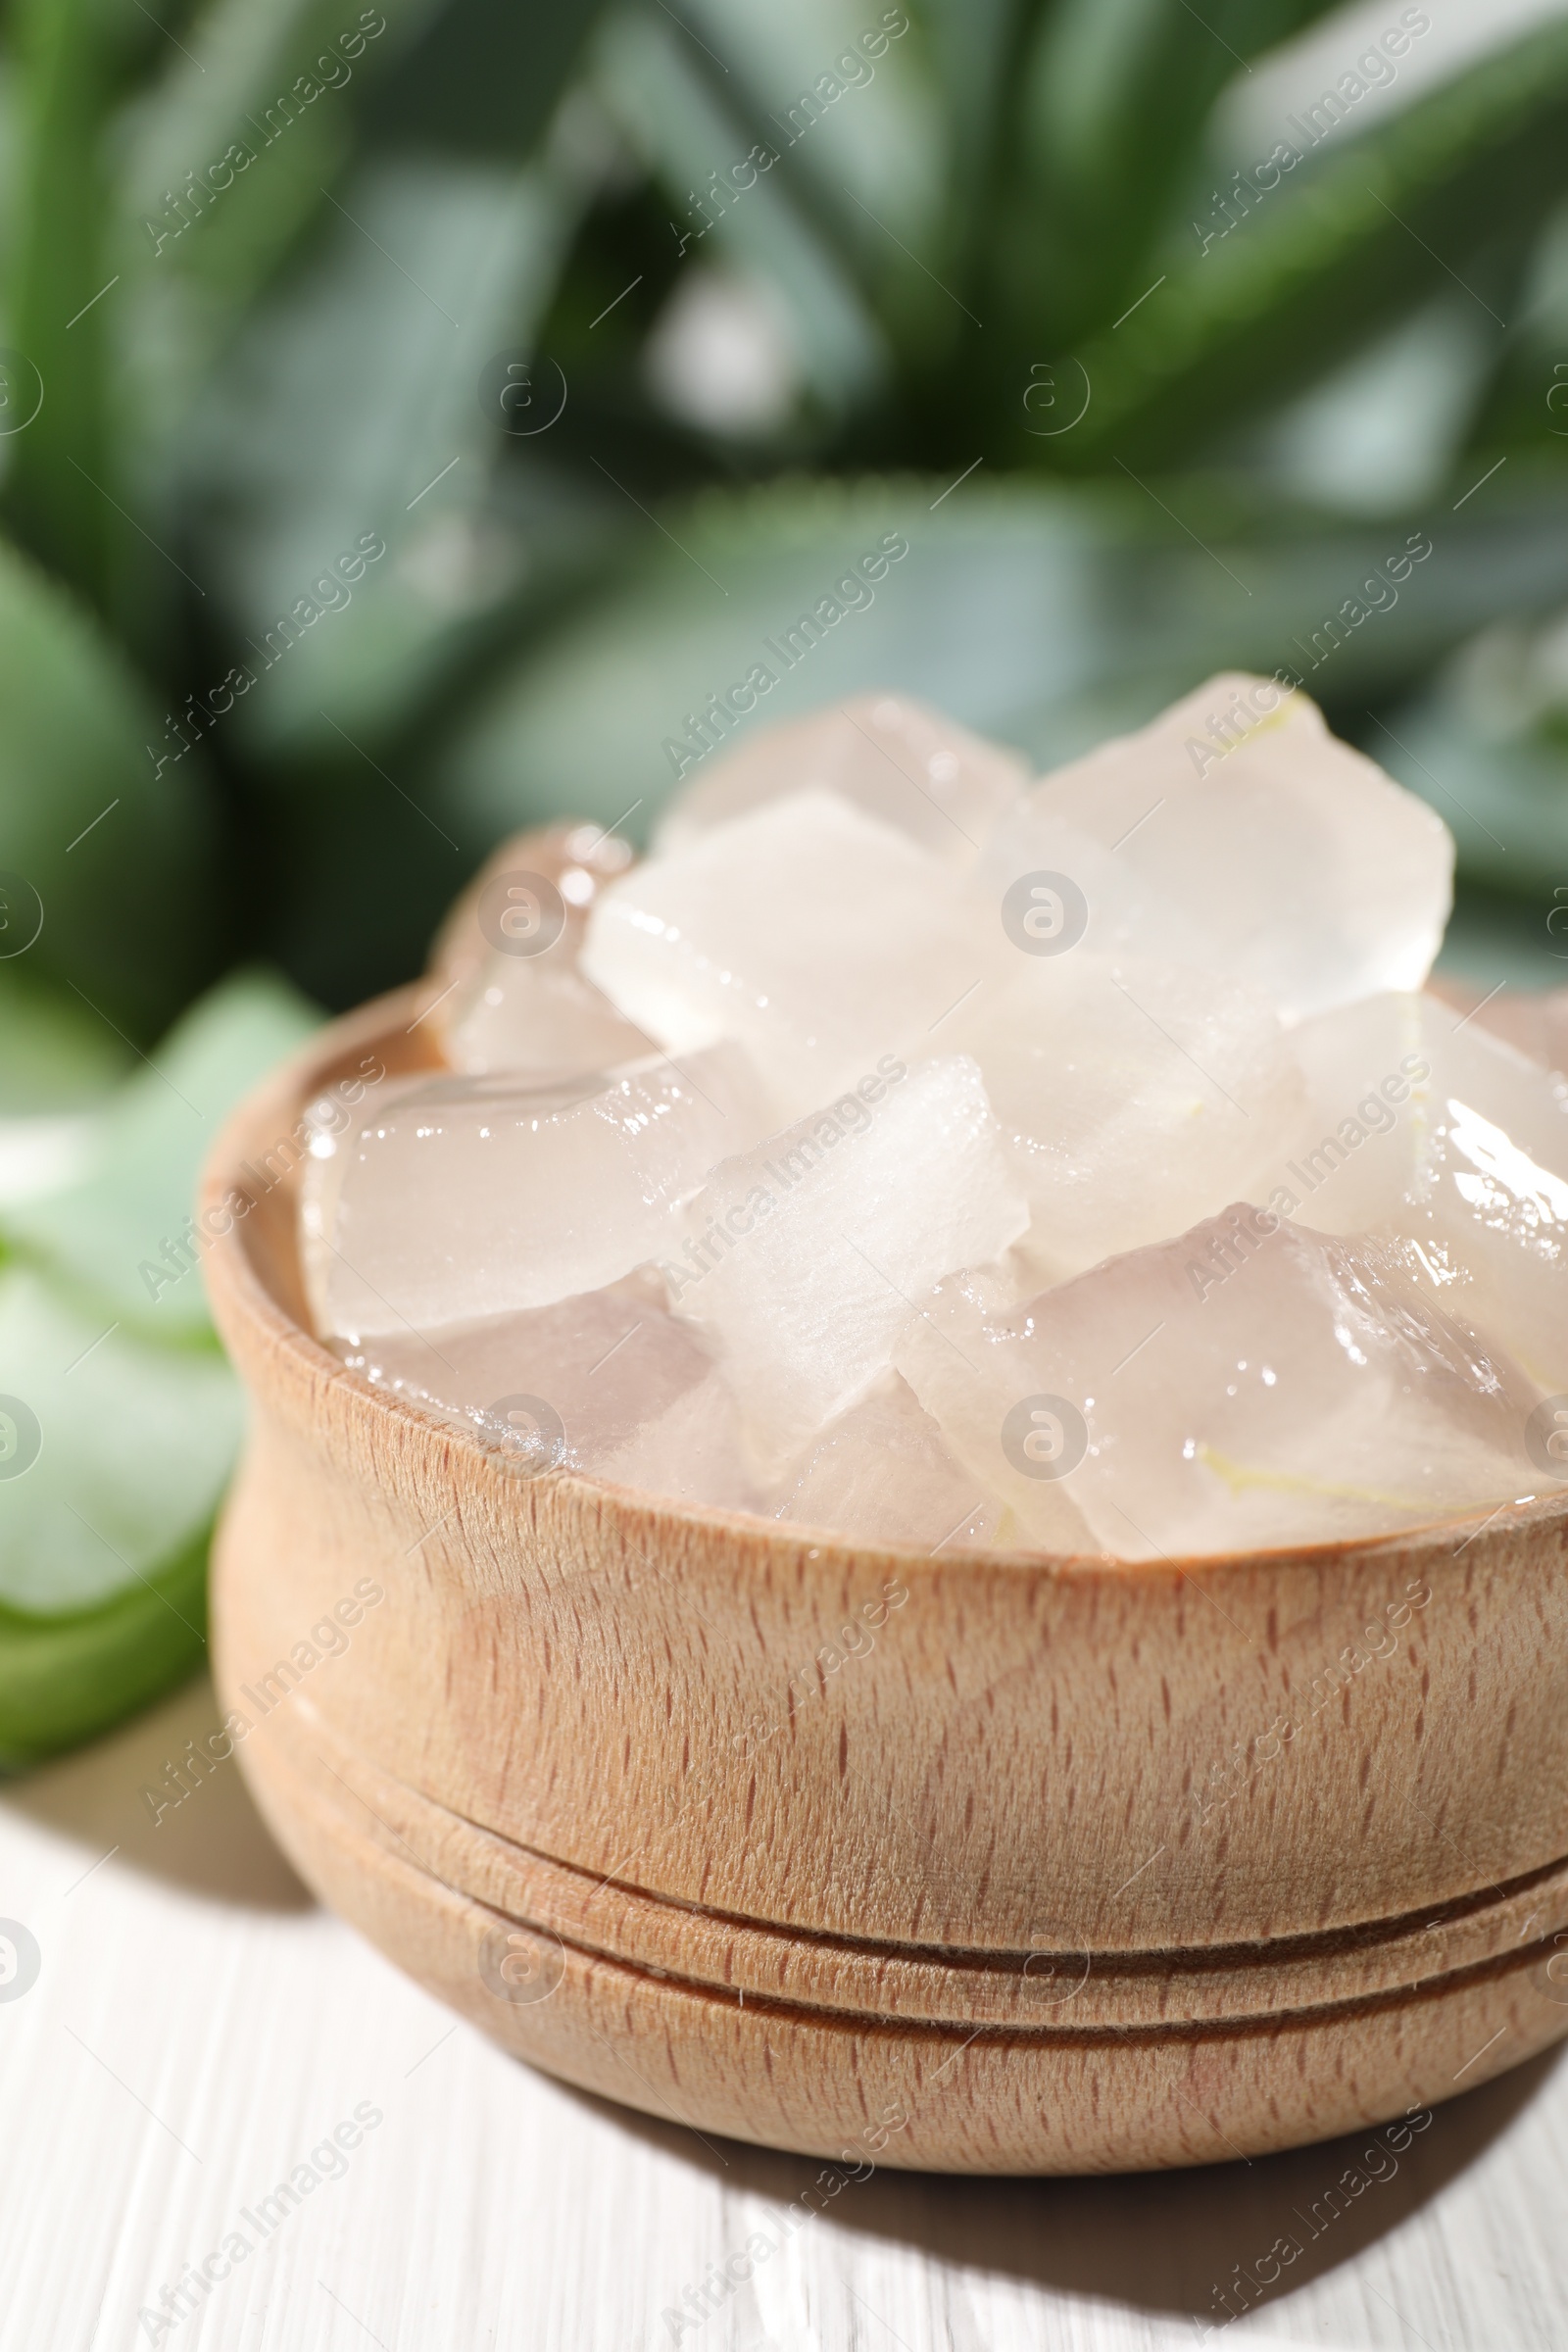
<point>1297,1819</point>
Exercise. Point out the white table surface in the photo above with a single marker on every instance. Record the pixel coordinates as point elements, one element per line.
<point>198,2025</point>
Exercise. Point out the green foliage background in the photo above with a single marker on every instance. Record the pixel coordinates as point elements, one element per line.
<point>223,376</point>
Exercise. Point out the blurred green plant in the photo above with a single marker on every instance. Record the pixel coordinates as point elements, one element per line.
<point>412,416</point>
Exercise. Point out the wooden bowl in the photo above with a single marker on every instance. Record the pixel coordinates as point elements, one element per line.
<point>975,1861</point>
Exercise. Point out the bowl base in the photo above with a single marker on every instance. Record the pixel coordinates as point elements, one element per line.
<point>1029,2064</point>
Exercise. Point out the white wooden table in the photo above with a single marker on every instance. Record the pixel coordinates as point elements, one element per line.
<point>197,2027</point>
